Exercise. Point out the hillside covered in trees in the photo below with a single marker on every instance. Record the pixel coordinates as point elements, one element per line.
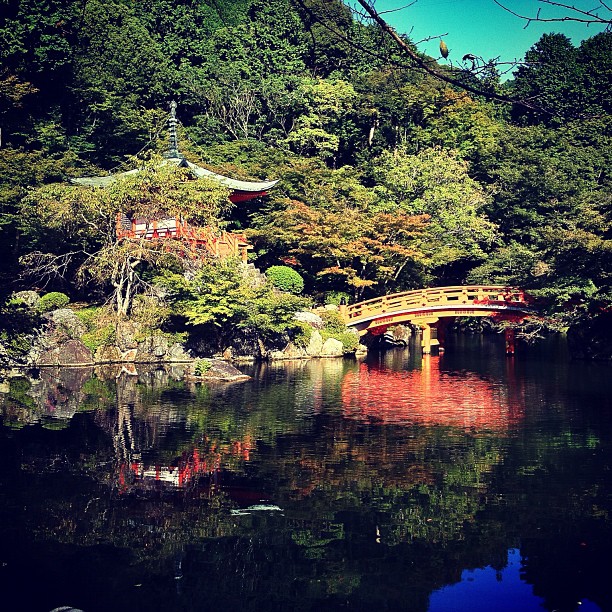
<point>390,179</point>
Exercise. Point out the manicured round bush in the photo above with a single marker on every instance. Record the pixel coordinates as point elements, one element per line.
<point>334,323</point>
<point>286,279</point>
<point>52,301</point>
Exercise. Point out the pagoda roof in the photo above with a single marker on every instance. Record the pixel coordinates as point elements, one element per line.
<point>172,156</point>
<point>179,161</point>
<point>231,183</point>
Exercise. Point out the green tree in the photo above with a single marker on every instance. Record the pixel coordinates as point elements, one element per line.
<point>328,53</point>
<point>73,227</point>
<point>221,303</point>
<point>119,71</point>
<point>346,248</point>
<point>461,123</point>
<point>551,79</point>
<point>436,183</point>
<point>552,203</point>
<point>596,62</point>
<point>325,119</point>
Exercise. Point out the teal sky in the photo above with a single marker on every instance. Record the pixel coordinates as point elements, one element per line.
<point>480,27</point>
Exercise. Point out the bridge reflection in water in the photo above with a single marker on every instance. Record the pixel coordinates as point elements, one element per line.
<point>432,396</point>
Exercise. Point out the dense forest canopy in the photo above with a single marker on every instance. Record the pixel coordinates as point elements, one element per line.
<point>391,179</point>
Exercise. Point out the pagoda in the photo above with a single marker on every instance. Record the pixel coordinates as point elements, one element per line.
<point>201,241</point>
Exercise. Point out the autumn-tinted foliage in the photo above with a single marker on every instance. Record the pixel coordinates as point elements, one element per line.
<point>390,179</point>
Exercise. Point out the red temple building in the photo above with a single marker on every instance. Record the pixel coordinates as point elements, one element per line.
<point>201,240</point>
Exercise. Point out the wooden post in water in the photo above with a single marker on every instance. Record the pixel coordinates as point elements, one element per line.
<point>426,338</point>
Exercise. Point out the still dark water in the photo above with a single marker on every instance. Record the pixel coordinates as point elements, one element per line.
<point>469,481</point>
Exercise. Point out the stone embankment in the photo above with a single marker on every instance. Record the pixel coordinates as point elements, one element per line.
<point>62,341</point>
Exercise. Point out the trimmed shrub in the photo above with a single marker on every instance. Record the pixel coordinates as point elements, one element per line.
<point>89,316</point>
<point>101,329</point>
<point>302,334</point>
<point>100,336</point>
<point>52,301</point>
<point>334,322</point>
<point>286,279</point>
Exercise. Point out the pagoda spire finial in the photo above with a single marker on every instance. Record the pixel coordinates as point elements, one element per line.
<point>173,151</point>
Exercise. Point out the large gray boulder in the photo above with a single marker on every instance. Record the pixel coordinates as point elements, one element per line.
<point>311,318</point>
<point>109,354</point>
<point>65,325</point>
<point>159,348</point>
<point>291,351</point>
<point>178,354</point>
<point>70,353</point>
<point>59,343</point>
<point>218,369</point>
<point>151,349</point>
<point>332,348</point>
<point>127,333</point>
<point>29,298</point>
<point>315,344</point>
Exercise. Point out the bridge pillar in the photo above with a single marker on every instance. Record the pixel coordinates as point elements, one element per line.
<point>428,339</point>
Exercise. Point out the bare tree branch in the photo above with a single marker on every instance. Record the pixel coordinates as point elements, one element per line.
<point>47,267</point>
<point>234,111</point>
<point>399,8</point>
<point>573,13</point>
<point>420,62</point>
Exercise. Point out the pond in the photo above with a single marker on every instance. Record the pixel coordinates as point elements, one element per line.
<point>465,481</point>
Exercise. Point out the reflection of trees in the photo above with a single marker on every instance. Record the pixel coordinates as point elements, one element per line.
<point>372,511</point>
<point>423,482</point>
<point>52,398</point>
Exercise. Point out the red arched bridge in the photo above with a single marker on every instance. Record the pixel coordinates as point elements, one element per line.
<point>432,309</point>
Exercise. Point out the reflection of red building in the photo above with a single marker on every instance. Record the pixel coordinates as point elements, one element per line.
<point>188,468</point>
<point>430,397</point>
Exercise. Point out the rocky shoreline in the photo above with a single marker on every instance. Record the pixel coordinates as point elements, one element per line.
<point>61,341</point>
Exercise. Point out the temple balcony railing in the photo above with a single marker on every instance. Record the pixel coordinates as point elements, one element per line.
<point>207,239</point>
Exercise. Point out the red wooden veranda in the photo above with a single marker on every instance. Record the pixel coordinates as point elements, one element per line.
<point>201,241</point>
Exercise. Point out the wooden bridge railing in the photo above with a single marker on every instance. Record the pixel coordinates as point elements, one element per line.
<point>492,295</point>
